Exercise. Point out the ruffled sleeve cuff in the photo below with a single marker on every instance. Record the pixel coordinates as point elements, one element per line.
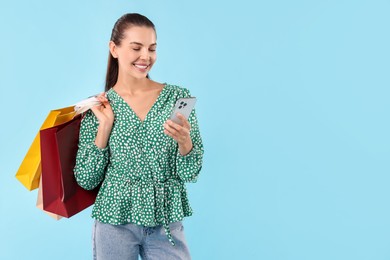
<point>91,162</point>
<point>188,166</point>
<point>98,151</point>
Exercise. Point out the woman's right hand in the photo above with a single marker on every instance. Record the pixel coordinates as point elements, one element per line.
<point>103,112</point>
<point>105,116</point>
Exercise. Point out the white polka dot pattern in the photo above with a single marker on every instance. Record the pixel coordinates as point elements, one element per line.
<point>141,170</point>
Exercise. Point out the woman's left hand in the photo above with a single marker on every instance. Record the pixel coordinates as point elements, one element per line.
<point>180,132</point>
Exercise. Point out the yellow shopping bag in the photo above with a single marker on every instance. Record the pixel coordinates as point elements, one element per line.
<point>29,171</point>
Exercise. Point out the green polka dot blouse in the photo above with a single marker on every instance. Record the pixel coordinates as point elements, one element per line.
<point>141,170</point>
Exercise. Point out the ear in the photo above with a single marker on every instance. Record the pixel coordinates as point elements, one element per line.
<point>112,47</point>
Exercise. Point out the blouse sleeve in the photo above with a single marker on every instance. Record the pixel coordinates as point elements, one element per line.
<point>188,166</point>
<point>91,161</point>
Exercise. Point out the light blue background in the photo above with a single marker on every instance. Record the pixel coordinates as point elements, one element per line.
<point>293,102</point>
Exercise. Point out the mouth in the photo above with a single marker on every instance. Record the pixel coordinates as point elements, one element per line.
<point>141,66</point>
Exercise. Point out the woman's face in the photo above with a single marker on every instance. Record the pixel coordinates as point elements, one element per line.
<point>137,51</point>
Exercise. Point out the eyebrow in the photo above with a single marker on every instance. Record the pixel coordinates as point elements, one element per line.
<point>138,43</point>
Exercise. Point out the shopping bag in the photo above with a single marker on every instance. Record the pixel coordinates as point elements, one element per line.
<point>40,203</point>
<point>61,193</point>
<point>30,169</point>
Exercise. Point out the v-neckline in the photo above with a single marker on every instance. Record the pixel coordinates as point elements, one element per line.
<point>151,108</point>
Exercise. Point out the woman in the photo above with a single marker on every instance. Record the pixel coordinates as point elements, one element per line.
<point>140,158</point>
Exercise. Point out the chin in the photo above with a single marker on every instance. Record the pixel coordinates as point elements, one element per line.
<point>139,75</point>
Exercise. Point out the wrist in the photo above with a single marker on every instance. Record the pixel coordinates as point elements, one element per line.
<point>105,127</point>
<point>185,148</point>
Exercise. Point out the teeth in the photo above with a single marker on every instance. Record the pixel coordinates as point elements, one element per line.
<point>140,66</point>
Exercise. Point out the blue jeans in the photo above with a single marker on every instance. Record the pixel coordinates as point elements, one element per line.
<point>126,242</point>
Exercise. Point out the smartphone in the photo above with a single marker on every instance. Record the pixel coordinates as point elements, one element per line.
<point>184,106</point>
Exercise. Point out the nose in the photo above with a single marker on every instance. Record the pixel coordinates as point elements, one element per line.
<point>144,54</point>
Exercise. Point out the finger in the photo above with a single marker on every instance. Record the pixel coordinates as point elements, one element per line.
<point>185,132</point>
<point>107,104</point>
<point>176,133</point>
<point>96,110</point>
<point>167,132</point>
<point>177,136</point>
<point>100,99</point>
<point>182,133</point>
<point>170,128</point>
<point>173,125</point>
<point>104,101</point>
<point>103,94</point>
<point>184,121</point>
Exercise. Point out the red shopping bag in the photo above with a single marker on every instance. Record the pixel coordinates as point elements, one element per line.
<point>61,193</point>
<point>40,202</point>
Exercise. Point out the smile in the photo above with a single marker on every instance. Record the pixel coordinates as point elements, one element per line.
<point>141,66</point>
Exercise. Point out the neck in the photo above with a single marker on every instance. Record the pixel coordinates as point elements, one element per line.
<point>130,84</point>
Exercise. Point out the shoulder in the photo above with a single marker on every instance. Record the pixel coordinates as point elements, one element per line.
<point>179,91</point>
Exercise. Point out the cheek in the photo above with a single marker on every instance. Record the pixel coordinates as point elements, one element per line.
<point>127,58</point>
<point>153,57</point>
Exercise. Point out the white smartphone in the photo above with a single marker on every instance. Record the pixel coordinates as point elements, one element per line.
<point>184,106</point>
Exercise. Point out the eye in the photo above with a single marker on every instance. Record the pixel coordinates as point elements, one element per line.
<point>136,49</point>
<point>153,50</point>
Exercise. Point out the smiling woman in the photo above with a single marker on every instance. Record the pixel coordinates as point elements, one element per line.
<point>119,32</point>
<point>140,157</point>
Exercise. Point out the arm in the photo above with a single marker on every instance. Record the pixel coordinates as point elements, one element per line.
<point>91,160</point>
<point>188,166</point>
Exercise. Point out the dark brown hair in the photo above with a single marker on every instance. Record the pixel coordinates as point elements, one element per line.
<point>123,23</point>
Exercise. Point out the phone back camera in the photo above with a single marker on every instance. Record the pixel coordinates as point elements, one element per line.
<point>182,104</point>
